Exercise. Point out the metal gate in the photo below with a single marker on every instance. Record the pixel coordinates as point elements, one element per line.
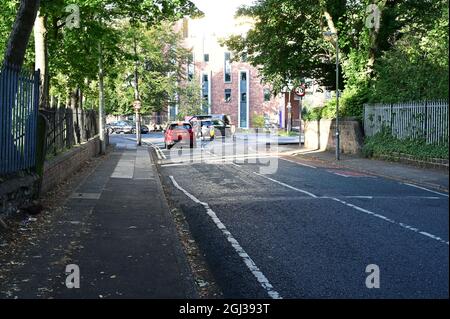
<point>19,103</point>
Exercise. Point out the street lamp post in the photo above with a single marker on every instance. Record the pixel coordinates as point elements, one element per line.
<point>337,132</point>
<point>300,92</point>
<point>300,106</point>
<point>137,109</point>
<point>290,87</point>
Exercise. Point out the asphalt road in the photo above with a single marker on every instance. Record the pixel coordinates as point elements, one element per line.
<point>305,231</point>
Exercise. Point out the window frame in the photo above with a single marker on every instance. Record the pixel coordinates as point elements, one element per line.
<point>227,61</point>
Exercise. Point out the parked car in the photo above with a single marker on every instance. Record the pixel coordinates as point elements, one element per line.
<point>222,117</point>
<point>156,127</point>
<point>221,129</point>
<point>223,125</point>
<point>120,127</point>
<point>204,129</point>
<point>179,133</point>
<point>144,129</point>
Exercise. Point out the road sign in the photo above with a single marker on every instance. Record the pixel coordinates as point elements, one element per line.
<point>137,105</point>
<point>301,90</point>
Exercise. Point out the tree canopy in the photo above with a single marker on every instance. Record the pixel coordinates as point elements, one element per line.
<point>410,38</point>
<point>73,53</point>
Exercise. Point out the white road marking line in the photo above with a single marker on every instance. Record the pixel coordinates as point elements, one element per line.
<point>403,225</point>
<point>353,197</point>
<point>223,158</point>
<point>159,153</point>
<point>384,197</point>
<point>339,174</point>
<point>426,189</point>
<point>196,163</point>
<point>162,154</point>
<point>351,176</point>
<point>301,164</point>
<point>262,279</point>
<point>286,185</point>
<point>204,160</point>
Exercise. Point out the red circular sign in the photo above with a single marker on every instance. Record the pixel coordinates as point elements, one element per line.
<point>301,90</point>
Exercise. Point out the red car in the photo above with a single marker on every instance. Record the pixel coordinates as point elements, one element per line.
<point>180,133</point>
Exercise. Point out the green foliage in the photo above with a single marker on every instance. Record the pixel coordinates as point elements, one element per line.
<point>384,143</point>
<point>312,114</point>
<point>352,102</point>
<point>8,10</point>
<point>74,53</point>
<point>286,41</point>
<point>287,134</point>
<point>190,102</point>
<point>159,62</point>
<point>258,121</point>
<point>416,68</point>
<point>329,110</point>
<point>407,58</point>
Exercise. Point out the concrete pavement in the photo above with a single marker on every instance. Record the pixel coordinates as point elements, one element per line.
<point>434,178</point>
<point>118,230</point>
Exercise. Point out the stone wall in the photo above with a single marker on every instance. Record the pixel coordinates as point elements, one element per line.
<point>60,168</point>
<point>320,135</point>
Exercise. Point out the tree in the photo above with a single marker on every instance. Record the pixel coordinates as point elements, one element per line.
<point>8,8</point>
<point>155,55</point>
<point>21,31</point>
<point>190,101</point>
<point>287,42</point>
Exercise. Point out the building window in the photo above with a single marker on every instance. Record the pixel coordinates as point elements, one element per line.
<point>228,95</point>
<point>267,95</point>
<point>191,67</point>
<point>185,28</point>
<point>244,57</point>
<point>227,67</point>
<point>244,103</point>
<point>206,57</point>
<point>206,93</point>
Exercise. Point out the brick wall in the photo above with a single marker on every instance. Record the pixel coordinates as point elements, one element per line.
<point>257,105</point>
<point>63,166</point>
<point>202,39</point>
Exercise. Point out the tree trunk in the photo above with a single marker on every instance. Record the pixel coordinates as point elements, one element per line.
<point>82,122</point>
<point>74,98</point>
<point>330,22</point>
<point>41,53</point>
<point>136,73</point>
<point>374,42</point>
<point>101,101</point>
<point>20,34</point>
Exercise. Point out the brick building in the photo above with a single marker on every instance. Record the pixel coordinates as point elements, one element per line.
<point>230,87</point>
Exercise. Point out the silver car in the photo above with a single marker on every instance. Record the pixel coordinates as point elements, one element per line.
<point>204,129</point>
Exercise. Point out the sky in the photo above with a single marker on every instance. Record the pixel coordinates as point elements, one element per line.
<point>220,9</point>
